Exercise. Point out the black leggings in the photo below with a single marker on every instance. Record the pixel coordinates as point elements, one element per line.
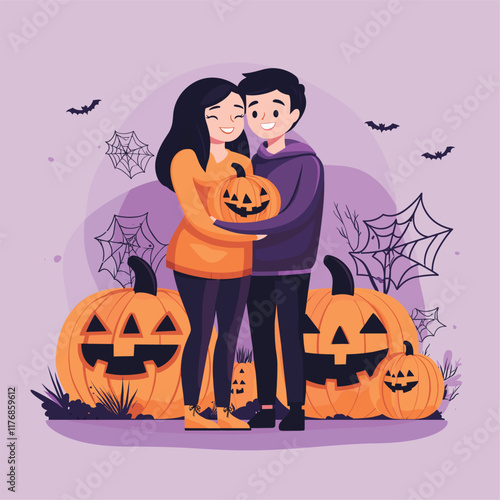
<point>202,299</point>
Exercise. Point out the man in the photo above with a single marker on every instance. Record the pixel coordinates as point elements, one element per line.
<point>282,262</point>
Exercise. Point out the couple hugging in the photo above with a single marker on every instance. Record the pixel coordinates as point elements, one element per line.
<point>219,267</point>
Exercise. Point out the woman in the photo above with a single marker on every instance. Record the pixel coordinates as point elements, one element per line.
<point>211,266</point>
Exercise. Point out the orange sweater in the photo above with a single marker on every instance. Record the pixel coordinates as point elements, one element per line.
<point>199,248</point>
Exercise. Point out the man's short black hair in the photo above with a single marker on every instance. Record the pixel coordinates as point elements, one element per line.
<point>267,80</point>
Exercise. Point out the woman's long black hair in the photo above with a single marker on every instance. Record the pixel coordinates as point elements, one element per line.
<point>189,128</point>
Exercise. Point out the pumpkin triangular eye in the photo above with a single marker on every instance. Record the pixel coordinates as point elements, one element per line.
<point>234,198</point>
<point>410,374</point>
<point>235,383</point>
<point>388,374</point>
<point>226,194</point>
<point>242,383</point>
<point>241,371</point>
<point>95,325</point>
<point>131,326</point>
<point>263,192</point>
<point>339,337</point>
<point>246,199</point>
<point>400,373</point>
<point>373,325</point>
<point>166,325</point>
<point>308,326</point>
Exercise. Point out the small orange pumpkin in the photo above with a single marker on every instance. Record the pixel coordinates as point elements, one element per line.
<point>131,338</point>
<point>243,388</point>
<point>243,198</point>
<point>347,333</point>
<point>409,386</point>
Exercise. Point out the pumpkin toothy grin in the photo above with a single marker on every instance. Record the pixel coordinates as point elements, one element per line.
<point>399,387</point>
<point>128,365</point>
<point>320,367</point>
<point>244,211</point>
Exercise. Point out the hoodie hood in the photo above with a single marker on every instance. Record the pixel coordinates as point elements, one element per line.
<point>292,149</point>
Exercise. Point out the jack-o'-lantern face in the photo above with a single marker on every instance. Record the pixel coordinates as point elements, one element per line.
<point>130,338</point>
<point>347,343</point>
<point>400,381</point>
<point>135,340</point>
<point>244,198</point>
<point>246,206</point>
<point>243,387</point>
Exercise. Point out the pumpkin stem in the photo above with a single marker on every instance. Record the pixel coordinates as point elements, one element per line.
<point>240,171</point>
<point>409,348</point>
<point>145,278</point>
<point>343,282</point>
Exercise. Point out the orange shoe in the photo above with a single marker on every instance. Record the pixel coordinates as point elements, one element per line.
<point>227,422</point>
<point>193,421</point>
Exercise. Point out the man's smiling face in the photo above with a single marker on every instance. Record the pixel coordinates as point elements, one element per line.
<point>269,115</point>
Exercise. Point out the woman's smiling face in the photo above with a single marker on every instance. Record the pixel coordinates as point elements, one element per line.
<point>225,119</point>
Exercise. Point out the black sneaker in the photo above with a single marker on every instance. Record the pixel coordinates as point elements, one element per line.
<point>293,421</point>
<point>263,419</point>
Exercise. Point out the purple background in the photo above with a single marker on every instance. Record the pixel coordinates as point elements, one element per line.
<point>428,58</point>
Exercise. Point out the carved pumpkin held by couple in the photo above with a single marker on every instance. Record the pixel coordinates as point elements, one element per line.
<point>249,238</point>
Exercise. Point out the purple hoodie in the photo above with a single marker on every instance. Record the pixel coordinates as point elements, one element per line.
<point>293,235</point>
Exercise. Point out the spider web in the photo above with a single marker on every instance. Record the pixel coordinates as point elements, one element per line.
<point>128,153</point>
<point>128,236</point>
<point>427,322</point>
<point>401,246</point>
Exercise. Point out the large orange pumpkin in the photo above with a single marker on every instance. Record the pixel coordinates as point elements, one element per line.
<point>409,386</point>
<point>131,338</point>
<point>347,333</point>
<point>243,198</point>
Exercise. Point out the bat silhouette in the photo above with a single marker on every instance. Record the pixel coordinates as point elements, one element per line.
<point>381,126</point>
<point>438,154</point>
<point>84,109</point>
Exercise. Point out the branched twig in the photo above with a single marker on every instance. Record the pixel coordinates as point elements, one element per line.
<point>451,376</point>
<point>353,218</point>
<point>448,370</point>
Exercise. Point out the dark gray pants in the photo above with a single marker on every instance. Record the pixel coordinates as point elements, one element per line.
<point>203,299</point>
<point>287,294</point>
